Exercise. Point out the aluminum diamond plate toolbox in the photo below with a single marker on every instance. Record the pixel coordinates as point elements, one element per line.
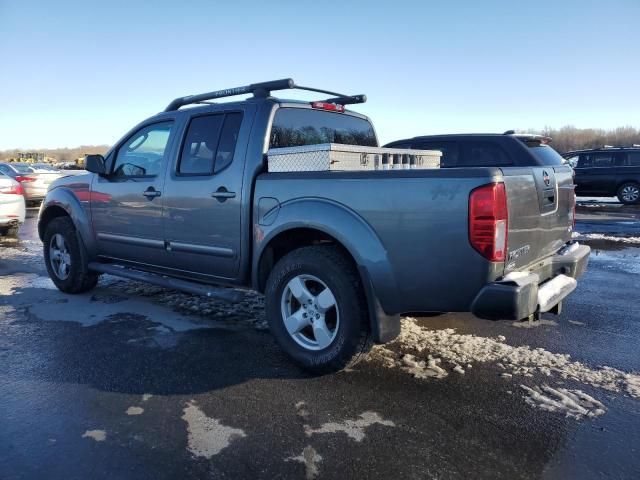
<point>337,157</point>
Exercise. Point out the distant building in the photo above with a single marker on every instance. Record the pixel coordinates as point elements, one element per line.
<point>31,156</point>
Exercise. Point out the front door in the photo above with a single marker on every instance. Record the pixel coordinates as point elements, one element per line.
<point>203,196</point>
<point>126,204</point>
<point>595,174</point>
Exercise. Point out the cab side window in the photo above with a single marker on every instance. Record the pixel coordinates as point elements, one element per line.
<point>633,159</point>
<point>485,154</point>
<point>584,161</point>
<point>602,160</point>
<point>209,144</point>
<point>143,153</point>
<point>450,151</point>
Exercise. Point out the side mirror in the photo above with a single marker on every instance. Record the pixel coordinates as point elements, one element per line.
<point>95,164</point>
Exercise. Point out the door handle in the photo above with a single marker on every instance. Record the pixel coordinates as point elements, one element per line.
<point>222,194</point>
<point>151,193</point>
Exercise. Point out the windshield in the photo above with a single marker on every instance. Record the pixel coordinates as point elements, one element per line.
<point>46,167</point>
<point>21,168</point>
<point>294,127</point>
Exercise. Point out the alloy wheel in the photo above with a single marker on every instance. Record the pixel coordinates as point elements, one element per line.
<point>630,193</point>
<point>59,257</point>
<point>310,312</point>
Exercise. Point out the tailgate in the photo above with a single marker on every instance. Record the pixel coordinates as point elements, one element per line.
<point>540,202</point>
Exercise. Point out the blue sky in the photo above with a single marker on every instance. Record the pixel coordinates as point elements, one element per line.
<point>84,72</point>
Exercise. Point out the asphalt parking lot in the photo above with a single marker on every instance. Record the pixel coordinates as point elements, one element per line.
<point>133,381</point>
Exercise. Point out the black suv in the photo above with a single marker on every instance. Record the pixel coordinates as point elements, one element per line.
<point>486,149</point>
<point>608,171</point>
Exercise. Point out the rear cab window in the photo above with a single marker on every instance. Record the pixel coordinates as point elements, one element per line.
<point>295,127</point>
<point>544,153</point>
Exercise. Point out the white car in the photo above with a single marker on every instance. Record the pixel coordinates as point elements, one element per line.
<point>12,205</point>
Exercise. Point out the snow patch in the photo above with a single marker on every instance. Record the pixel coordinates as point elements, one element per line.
<point>512,276</point>
<point>573,403</point>
<point>301,410</point>
<point>353,428</point>
<point>438,349</point>
<point>207,436</point>
<point>609,238</point>
<point>97,435</point>
<point>135,411</point>
<point>146,396</point>
<point>535,323</point>
<point>310,459</point>
<point>422,369</point>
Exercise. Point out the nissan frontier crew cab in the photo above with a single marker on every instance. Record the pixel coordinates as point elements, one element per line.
<point>185,200</point>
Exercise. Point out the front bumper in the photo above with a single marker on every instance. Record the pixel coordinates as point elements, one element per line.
<point>522,294</point>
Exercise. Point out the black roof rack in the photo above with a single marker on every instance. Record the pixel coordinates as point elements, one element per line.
<point>262,90</point>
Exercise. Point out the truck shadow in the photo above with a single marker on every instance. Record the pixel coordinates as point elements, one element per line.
<point>129,351</point>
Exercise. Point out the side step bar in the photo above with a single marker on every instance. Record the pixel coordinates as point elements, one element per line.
<point>219,293</point>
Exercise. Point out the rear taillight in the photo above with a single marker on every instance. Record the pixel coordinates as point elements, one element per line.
<point>14,189</point>
<point>488,221</point>
<point>332,107</point>
<point>23,178</point>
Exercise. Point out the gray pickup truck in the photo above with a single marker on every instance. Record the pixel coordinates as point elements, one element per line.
<point>185,201</point>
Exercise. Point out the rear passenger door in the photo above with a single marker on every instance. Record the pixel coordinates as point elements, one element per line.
<point>629,168</point>
<point>595,173</point>
<point>202,210</point>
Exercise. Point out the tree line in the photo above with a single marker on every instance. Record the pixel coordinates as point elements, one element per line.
<point>563,140</point>
<point>58,154</point>
<point>571,138</point>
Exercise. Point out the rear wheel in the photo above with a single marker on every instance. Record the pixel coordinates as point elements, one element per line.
<point>629,193</point>
<point>66,257</point>
<point>316,309</point>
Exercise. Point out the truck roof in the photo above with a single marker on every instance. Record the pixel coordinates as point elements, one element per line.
<point>263,90</point>
<point>262,93</point>
<point>282,102</point>
<point>602,149</point>
<point>468,136</point>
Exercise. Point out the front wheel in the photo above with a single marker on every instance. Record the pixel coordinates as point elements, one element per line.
<point>66,257</point>
<point>629,193</point>
<point>316,309</point>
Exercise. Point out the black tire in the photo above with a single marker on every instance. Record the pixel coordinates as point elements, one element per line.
<point>80,279</point>
<point>352,339</point>
<point>629,193</point>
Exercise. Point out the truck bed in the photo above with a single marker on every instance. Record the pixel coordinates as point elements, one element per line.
<point>421,219</point>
